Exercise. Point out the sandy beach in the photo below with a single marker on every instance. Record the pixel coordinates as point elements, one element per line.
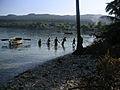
<point>62,73</point>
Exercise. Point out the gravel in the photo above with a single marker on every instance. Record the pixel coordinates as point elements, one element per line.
<point>62,73</point>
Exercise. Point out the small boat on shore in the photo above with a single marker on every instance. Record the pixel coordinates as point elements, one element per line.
<point>68,33</point>
<point>15,41</point>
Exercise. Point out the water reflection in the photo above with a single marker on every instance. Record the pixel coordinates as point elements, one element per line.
<point>48,46</point>
<point>26,46</point>
<point>73,46</point>
<point>55,47</point>
<point>63,47</point>
<point>15,46</point>
<point>4,47</point>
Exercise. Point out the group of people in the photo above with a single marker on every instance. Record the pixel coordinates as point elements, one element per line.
<point>56,41</point>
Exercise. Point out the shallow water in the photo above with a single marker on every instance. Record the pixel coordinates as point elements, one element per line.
<point>15,60</point>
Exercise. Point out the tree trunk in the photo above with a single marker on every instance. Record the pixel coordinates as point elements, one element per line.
<point>79,48</point>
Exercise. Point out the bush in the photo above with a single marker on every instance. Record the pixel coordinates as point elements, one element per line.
<point>108,71</point>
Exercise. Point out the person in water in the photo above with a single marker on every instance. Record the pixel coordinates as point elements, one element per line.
<point>73,43</point>
<point>56,42</point>
<point>64,39</point>
<point>39,43</point>
<point>48,42</point>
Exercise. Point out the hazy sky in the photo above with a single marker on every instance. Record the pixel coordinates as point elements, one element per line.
<point>61,7</point>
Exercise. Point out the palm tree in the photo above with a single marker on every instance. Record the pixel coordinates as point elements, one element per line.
<point>114,8</point>
<point>79,48</point>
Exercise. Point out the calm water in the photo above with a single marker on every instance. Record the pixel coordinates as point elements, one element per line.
<point>16,60</point>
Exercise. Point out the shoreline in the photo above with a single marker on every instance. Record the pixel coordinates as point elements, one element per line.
<point>53,74</point>
<point>26,68</point>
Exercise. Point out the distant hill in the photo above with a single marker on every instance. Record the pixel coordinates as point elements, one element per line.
<point>105,20</point>
<point>37,17</point>
<point>89,18</point>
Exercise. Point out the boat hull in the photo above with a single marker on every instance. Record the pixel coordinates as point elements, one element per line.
<point>15,41</point>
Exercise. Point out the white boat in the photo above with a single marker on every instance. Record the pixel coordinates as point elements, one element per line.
<point>15,41</point>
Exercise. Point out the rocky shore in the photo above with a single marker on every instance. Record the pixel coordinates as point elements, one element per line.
<point>62,73</point>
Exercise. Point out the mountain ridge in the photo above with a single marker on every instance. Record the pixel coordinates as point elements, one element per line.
<point>51,17</point>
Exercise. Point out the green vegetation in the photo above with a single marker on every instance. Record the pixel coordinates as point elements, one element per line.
<point>37,24</point>
<point>109,37</point>
<point>106,76</point>
<point>107,47</point>
<point>113,8</point>
<point>52,22</point>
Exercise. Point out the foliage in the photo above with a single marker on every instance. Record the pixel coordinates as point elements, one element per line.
<point>114,8</point>
<point>37,24</point>
<point>112,34</point>
<point>109,38</point>
<point>108,70</point>
<point>105,77</point>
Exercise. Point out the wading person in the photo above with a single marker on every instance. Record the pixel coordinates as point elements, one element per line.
<point>39,43</point>
<point>48,42</point>
<point>56,42</point>
<point>73,43</point>
<point>64,39</point>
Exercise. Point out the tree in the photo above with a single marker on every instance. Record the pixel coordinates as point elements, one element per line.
<point>79,48</point>
<point>114,8</point>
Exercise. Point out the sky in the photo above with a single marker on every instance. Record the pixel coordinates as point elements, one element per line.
<point>59,7</point>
